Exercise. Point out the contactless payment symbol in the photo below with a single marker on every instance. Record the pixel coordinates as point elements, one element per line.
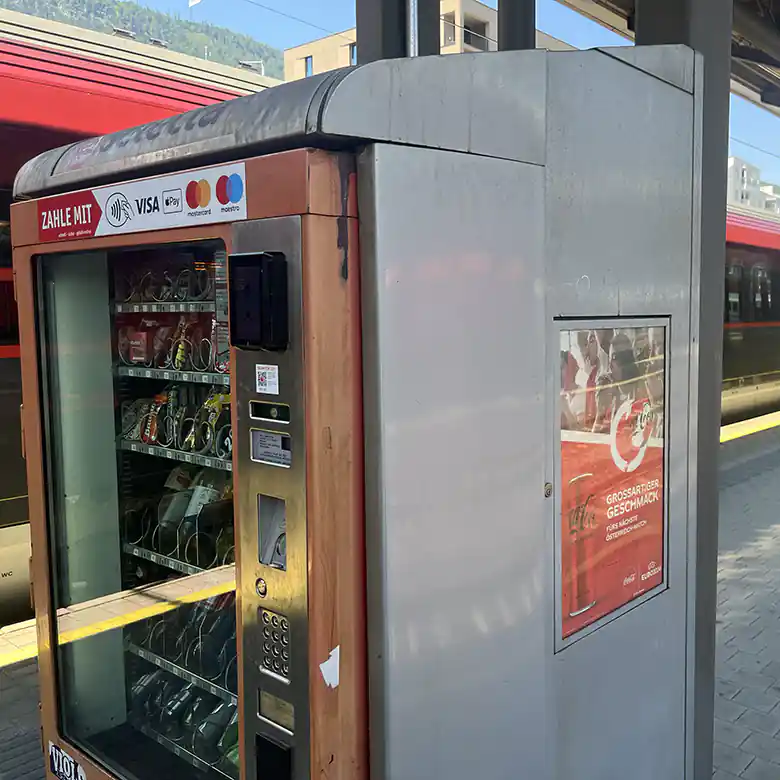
<point>118,210</point>
<point>198,194</point>
<point>230,189</point>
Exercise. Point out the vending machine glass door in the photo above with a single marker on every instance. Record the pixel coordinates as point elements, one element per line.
<point>138,463</point>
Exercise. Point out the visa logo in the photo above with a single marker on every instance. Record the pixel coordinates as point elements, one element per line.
<point>148,205</point>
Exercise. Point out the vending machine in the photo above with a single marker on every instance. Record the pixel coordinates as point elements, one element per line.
<point>319,477</point>
<point>179,456</point>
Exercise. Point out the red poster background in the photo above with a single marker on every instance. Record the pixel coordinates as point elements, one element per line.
<point>612,528</point>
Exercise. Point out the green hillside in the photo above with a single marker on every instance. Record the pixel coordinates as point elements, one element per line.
<point>182,35</point>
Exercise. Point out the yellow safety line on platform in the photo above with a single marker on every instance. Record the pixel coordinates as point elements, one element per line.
<point>17,655</point>
<point>748,427</point>
<point>11,654</point>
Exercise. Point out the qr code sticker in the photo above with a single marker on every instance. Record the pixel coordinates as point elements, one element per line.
<point>267,379</point>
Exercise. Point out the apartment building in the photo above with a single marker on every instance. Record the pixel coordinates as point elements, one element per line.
<point>465,25</point>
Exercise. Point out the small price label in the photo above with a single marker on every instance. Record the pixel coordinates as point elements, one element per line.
<point>147,374</point>
<point>136,308</point>
<point>166,375</point>
<point>134,447</point>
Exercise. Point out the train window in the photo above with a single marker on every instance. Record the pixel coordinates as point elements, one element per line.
<point>734,293</point>
<point>762,294</point>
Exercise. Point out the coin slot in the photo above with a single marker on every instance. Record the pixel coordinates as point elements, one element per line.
<point>269,412</point>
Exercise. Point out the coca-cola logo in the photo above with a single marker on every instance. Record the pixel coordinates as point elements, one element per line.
<point>582,515</point>
<point>630,433</point>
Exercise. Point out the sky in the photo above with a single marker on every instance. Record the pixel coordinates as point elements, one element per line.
<point>754,133</point>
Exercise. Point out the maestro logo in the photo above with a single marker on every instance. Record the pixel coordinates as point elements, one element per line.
<point>198,194</point>
<point>118,210</point>
<point>230,189</point>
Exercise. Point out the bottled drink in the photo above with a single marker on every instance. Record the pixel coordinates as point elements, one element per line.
<point>164,691</point>
<point>208,734</point>
<point>229,737</point>
<point>172,716</point>
<point>200,707</point>
<point>142,690</point>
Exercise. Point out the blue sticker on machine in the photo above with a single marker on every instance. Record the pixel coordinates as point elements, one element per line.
<point>63,766</point>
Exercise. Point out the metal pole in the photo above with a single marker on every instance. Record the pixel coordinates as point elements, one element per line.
<point>411,28</point>
<point>516,24</point>
<point>382,31</point>
<point>704,25</point>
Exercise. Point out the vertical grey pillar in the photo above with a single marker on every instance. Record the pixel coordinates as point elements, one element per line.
<point>428,27</point>
<point>381,29</point>
<point>516,24</point>
<point>704,25</point>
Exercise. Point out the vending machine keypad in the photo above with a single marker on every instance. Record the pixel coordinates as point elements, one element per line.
<point>276,643</point>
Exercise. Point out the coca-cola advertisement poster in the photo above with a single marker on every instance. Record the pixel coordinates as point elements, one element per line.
<point>612,470</point>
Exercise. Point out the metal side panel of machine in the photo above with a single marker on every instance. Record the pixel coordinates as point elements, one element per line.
<point>459,610</point>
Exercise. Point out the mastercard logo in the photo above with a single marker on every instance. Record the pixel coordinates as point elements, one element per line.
<point>230,189</point>
<point>198,194</point>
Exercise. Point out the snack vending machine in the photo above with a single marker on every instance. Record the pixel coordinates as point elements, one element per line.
<point>354,449</point>
<point>180,449</point>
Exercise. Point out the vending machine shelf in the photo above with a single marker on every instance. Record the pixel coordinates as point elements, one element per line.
<point>182,673</point>
<point>170,454</point>
<point>166,374</point>
<point>181,752</point>
<point>159,559</point>
<point>176,307</point>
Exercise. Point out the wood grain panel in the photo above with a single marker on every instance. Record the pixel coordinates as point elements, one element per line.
<point>334,464</point>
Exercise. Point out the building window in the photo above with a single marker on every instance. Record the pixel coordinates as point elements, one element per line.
<point>448,30</point>
<point>475,34</point>
<point>353,54</point>
<point>308,64</point>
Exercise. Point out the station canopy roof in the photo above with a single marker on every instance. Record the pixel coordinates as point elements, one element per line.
<point>755,43</point>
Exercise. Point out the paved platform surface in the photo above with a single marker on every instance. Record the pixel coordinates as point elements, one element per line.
<point>20,735</point>
<point>747,706</point>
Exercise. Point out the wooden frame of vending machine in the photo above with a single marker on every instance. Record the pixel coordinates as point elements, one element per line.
<point>330,738</point>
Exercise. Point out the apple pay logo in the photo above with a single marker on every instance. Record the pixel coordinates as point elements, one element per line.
<point>172,201</point>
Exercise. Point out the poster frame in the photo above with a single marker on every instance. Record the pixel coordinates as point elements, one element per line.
<point>563,325</point>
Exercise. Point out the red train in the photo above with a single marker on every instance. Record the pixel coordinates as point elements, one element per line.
<point>751,315</point>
